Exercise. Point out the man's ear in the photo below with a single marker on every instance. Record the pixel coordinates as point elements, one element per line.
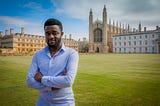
<point>62,33</point>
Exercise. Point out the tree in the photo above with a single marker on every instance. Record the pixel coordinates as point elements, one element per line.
<point>85,48</point>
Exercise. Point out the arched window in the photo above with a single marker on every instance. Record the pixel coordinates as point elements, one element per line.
<point>97,35</point>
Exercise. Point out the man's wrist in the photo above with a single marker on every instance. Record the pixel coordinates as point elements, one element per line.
<point>53,88</point>
<point>40,79</point>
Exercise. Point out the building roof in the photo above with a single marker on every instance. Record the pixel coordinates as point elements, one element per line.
<point>139,33</point>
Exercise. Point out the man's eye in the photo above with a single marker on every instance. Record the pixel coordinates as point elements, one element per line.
<point>47,33</point>
<point>55,33</point>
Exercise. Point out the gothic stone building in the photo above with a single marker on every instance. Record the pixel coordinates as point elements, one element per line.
<point>100,33</point>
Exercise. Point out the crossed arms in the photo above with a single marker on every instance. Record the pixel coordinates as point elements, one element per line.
<point>35,79</point>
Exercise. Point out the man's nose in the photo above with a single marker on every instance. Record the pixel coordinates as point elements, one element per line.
<point>51,36</point>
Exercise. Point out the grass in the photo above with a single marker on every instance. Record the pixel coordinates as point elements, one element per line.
<point>111,79</point>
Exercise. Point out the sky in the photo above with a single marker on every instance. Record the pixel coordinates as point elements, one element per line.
<point>31,14</point>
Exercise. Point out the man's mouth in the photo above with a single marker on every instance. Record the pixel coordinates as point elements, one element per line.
<point>52,41</point>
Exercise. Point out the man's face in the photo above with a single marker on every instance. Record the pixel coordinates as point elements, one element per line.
<point>53,35</point>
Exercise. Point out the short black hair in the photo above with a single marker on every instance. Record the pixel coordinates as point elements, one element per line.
<point>52,21</point>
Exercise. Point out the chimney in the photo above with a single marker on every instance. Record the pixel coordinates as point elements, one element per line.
<point>157,27</point>
<point>6,32</point>
<point>145,29</point>
<point>22,30</point>
<point>84,39</point>
<point>11,31</point>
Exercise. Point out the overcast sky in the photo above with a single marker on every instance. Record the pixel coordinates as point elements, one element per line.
<point>31,14</point>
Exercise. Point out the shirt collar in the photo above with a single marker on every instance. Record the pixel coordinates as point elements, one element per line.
<point>63,47</point>
<point>61,50</point>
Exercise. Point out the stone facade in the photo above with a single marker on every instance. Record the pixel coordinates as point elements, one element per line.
<point>20,43</point>
<point>70,42</point>
<point>100,33</point>
<point>137,41</point>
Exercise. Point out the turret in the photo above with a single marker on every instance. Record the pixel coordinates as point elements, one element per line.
<point>128,28</point>
<point>157,27</point>
<point>117,27</point>
<point>6,32</point>
<point>105,29</point>
<point>22,30</point>
<point>11,31</point>
<point>120,28</point>
<point>84,39</point>
<point>139,27</point>
<point>104,15</point>
<point>113,27</point>
<point>90,31</point>
<point>109,25</point>
<point>90,26</point>
<point>145,29</point>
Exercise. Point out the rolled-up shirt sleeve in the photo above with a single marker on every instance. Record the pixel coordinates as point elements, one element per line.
<point>64,80</point>
<point>31,82</point>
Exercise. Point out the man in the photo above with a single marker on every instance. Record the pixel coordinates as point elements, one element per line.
<point>53,69</point>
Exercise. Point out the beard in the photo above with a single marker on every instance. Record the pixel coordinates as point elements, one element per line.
<point>54,44</point>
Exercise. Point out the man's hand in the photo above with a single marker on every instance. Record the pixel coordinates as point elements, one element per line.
<point>65,72</point>
<point>38,76</point>
<point>53,89</point>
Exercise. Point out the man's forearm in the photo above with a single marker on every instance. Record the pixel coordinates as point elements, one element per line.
<point>38,76</point>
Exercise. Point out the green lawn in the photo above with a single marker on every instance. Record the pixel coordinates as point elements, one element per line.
<point>102,80</point>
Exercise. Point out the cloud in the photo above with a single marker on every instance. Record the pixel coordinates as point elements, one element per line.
<point>16,22</point>
<point>126,11</point>
<point>35,9</point>
<point>79,9</point>
<point>33,5</point>
<point>13,21</point>
<point>133,12</point>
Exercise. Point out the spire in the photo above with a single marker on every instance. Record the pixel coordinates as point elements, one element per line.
<point>120,28</point>
<point>90,16</point>
<point>109,21</point>
<point>104,9</point>
<point>22,30</point>
<point>6,32</point>
<point>104,15</point>
<point>113,23</point>
<point>139,27</point>
<point>128,28</point>
<point>90,29</point>
<point>123,28</point>
<point>105,29</point>
<point>113,26</point>
<point>110,24</point>
<point>117,27</point>
<point>90,11</point>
